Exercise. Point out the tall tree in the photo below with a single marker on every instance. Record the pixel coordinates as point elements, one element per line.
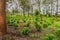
<point>31,6</point>
<point>46,3</point>
<point>28,6</point>
<point>23,4</point>
<point>57,8</point>
<point>51,6</point>
<point>39,3</point>
<point>3,26</point>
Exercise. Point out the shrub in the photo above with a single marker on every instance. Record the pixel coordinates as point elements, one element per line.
<point>10,20</point>
<point>49,37</point>
<point>37,12</point>
<point>15,25</point>
<point>28,23</point>
<point>41,22</point>
<point>57,32</point>
<point>25,30</point>
<point>45,25</point>
<point>38,27</point>
<point>49,23</point>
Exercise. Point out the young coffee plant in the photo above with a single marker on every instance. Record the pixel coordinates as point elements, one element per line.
<point>45,25</point>
<point>49,37</point>
<point>15,25</point>
<point>28,23</point>
<point>25,31</point>
<point>37,12</point>
<point>38,27</point>
<point>57,32</point>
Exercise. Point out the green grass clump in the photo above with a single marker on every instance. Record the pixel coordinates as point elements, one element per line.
<point>49,37</point>
<point>25,31</point>
<point>15,25</point>
<point>38,27</point>
<point>27,23</point>
<point>57,32</point>
<point>45,25</point>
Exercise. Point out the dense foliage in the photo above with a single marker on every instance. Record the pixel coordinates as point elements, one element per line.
<point>50,24</point>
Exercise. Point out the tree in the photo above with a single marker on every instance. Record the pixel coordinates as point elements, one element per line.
<point>23,4</point>
<point>27,6</point>
<point>31,6</point>
<point>56,8</point>
<point>51,6</point>
<point>47,3</point>
<point>3,26</point>
<point>39,3</point>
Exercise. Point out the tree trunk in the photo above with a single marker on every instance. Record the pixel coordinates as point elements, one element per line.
<point>23,12</point>
<point>28,12</point>
<point>57,8</point>
<point>39,4</point>
<point>3,17</point>
<point>32,9</point>
<point>51,6</point>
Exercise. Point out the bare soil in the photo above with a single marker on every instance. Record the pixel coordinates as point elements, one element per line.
<point>13,34</point>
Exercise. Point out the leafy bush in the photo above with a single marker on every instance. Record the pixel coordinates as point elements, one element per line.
<point>57,32</point>
<point>49,37</point>
<point>41,22</point>
<point>15,25</point>
<point>38,27</point>
<point>28,23</point>
<point>25,30</point>
<point>37,12</point>
<point>45,25</point>
<point>49,23</point>
<point>10,19</point>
